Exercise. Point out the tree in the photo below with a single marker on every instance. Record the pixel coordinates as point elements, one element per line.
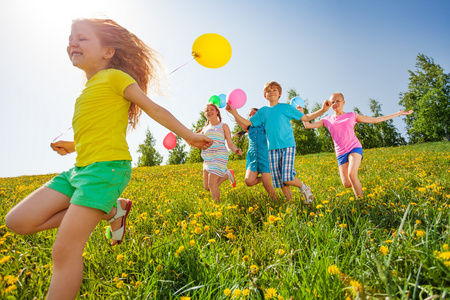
<point>305,139</point>
<point>150,157</point>
<point>177,155</point>
<point>386,133</point>
<point>194,154</point>
<point>429,96</point>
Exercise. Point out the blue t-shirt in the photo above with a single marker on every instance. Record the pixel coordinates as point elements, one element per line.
<point>277,122</point>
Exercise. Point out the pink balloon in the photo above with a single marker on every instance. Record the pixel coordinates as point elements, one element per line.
<point>170,141</point>
<point>237,98</point>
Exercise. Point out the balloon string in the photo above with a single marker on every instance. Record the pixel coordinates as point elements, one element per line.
<point>194,56</point>
<point>61,134</point>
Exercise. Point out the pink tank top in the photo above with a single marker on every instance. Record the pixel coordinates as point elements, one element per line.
<point>342,131</point>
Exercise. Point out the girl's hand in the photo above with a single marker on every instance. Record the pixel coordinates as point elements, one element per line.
<point>239,152</point>
<point>200,141</point>
<point>404,113</point>
<point>326,105</point>
<point>63,147</point>
<point>299,108</point>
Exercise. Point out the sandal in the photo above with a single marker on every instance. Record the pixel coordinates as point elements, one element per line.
<point>117,235</point>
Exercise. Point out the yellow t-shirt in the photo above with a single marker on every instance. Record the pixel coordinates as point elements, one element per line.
<point>100,119</point>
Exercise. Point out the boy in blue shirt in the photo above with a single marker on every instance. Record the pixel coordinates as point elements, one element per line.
<point>280,137</point>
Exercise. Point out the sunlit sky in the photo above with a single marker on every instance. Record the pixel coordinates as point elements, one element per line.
<point>363,49</point>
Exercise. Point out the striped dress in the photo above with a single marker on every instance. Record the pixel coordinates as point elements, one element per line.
<point>215,158</point>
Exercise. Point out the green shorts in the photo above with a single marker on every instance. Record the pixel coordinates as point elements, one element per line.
<point>97,185</point>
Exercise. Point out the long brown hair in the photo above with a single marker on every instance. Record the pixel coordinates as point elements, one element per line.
<point>131,56</point>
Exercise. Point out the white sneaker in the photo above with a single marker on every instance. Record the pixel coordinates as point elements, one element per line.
<point>306,192</point>
<point>230,174</point>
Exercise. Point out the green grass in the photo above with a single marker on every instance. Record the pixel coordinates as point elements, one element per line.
<point>179,243</point>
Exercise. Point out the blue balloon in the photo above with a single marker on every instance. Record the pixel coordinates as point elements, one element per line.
<point>223,100</point>
<point>297,101</point>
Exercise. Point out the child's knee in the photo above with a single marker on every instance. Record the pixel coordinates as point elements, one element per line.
<point>248,182</point>
<point>16,224</point>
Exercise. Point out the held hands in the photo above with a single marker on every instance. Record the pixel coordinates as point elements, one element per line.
<point>200,141</point>
<point>238,151</point>
<point>63,147</point>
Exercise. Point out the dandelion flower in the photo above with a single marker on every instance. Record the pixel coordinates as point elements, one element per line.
<point>254,269</point>
<point>270,293</point>
<point>420,233</point>
<point>227,292</point>
<point>211,241</point>
<point>185,298</point>
<point>245,258</point>
<point>384,250</point>
<point>5,259</point>
<point>119,257</point>
<point>444,255</point>
<point>120,284</point>
<point>192,243</point>
<point>271,219</point>
<point>236,294</point>
<point>333,269</point>
<point>245,292</point>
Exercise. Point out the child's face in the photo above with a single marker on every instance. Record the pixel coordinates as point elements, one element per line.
<point>272,93</point>
<point>85,49</point>
<point>252,113</point>
<point>337,102</point>
<point>210,112</point>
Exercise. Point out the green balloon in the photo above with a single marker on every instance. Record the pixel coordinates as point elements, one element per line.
<point>214,100</point>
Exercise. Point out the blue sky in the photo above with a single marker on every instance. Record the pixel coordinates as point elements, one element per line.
<point>363,49</point>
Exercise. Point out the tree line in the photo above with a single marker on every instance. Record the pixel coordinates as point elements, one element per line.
<point>428,95</point>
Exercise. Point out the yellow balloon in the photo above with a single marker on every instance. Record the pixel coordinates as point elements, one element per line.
<point>211,50</point>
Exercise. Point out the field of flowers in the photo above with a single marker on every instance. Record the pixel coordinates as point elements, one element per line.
<point>395,242</point>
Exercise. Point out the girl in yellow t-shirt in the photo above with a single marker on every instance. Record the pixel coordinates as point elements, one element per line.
<point>118,67</point>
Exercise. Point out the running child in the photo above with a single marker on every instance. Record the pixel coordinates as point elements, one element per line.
<point>258,158</point>
<point>348,149</point>
<point>280,137</point>
<point>118,67</point>
<point>215,158</point>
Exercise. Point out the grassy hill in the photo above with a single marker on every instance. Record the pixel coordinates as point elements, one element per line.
<point>394,242</point>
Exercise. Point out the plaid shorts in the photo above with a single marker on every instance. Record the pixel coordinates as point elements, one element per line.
<point>282,165</point>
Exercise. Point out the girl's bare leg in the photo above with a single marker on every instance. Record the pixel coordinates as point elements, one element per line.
<point>41,210</point>
<point>67,255</point>
<point>251,178</point>
<point>354,161</point>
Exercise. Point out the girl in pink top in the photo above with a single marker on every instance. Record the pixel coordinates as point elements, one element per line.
<point>347,146</point>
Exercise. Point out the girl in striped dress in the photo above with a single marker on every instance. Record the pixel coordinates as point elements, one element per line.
<point>215,158</point>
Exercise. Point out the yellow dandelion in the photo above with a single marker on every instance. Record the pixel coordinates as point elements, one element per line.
<point>250,209</point>
<point>198,230</point>
<point>245,258</point>
<point>333,269</point>
<point>192,243</point>
<point>444,255</point>
<point>271,219</point>
<point>236,294</point>
<point>445,247</point>
<point>119,257</point>
<point>185,298</point>
<point>211,241</point>
<point>384,250</point>
<point>245,292</point>
<point>227,292</point>
<point>254,269</point>
<point>420,233</point>
<point>120,284</point>
<point>206,227</point>
<point>270,293</point>
<point>356,286</point>
<point>388,241</point>
<point>418,222</point>
<point>5,259</point>
<point>9,289</point>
